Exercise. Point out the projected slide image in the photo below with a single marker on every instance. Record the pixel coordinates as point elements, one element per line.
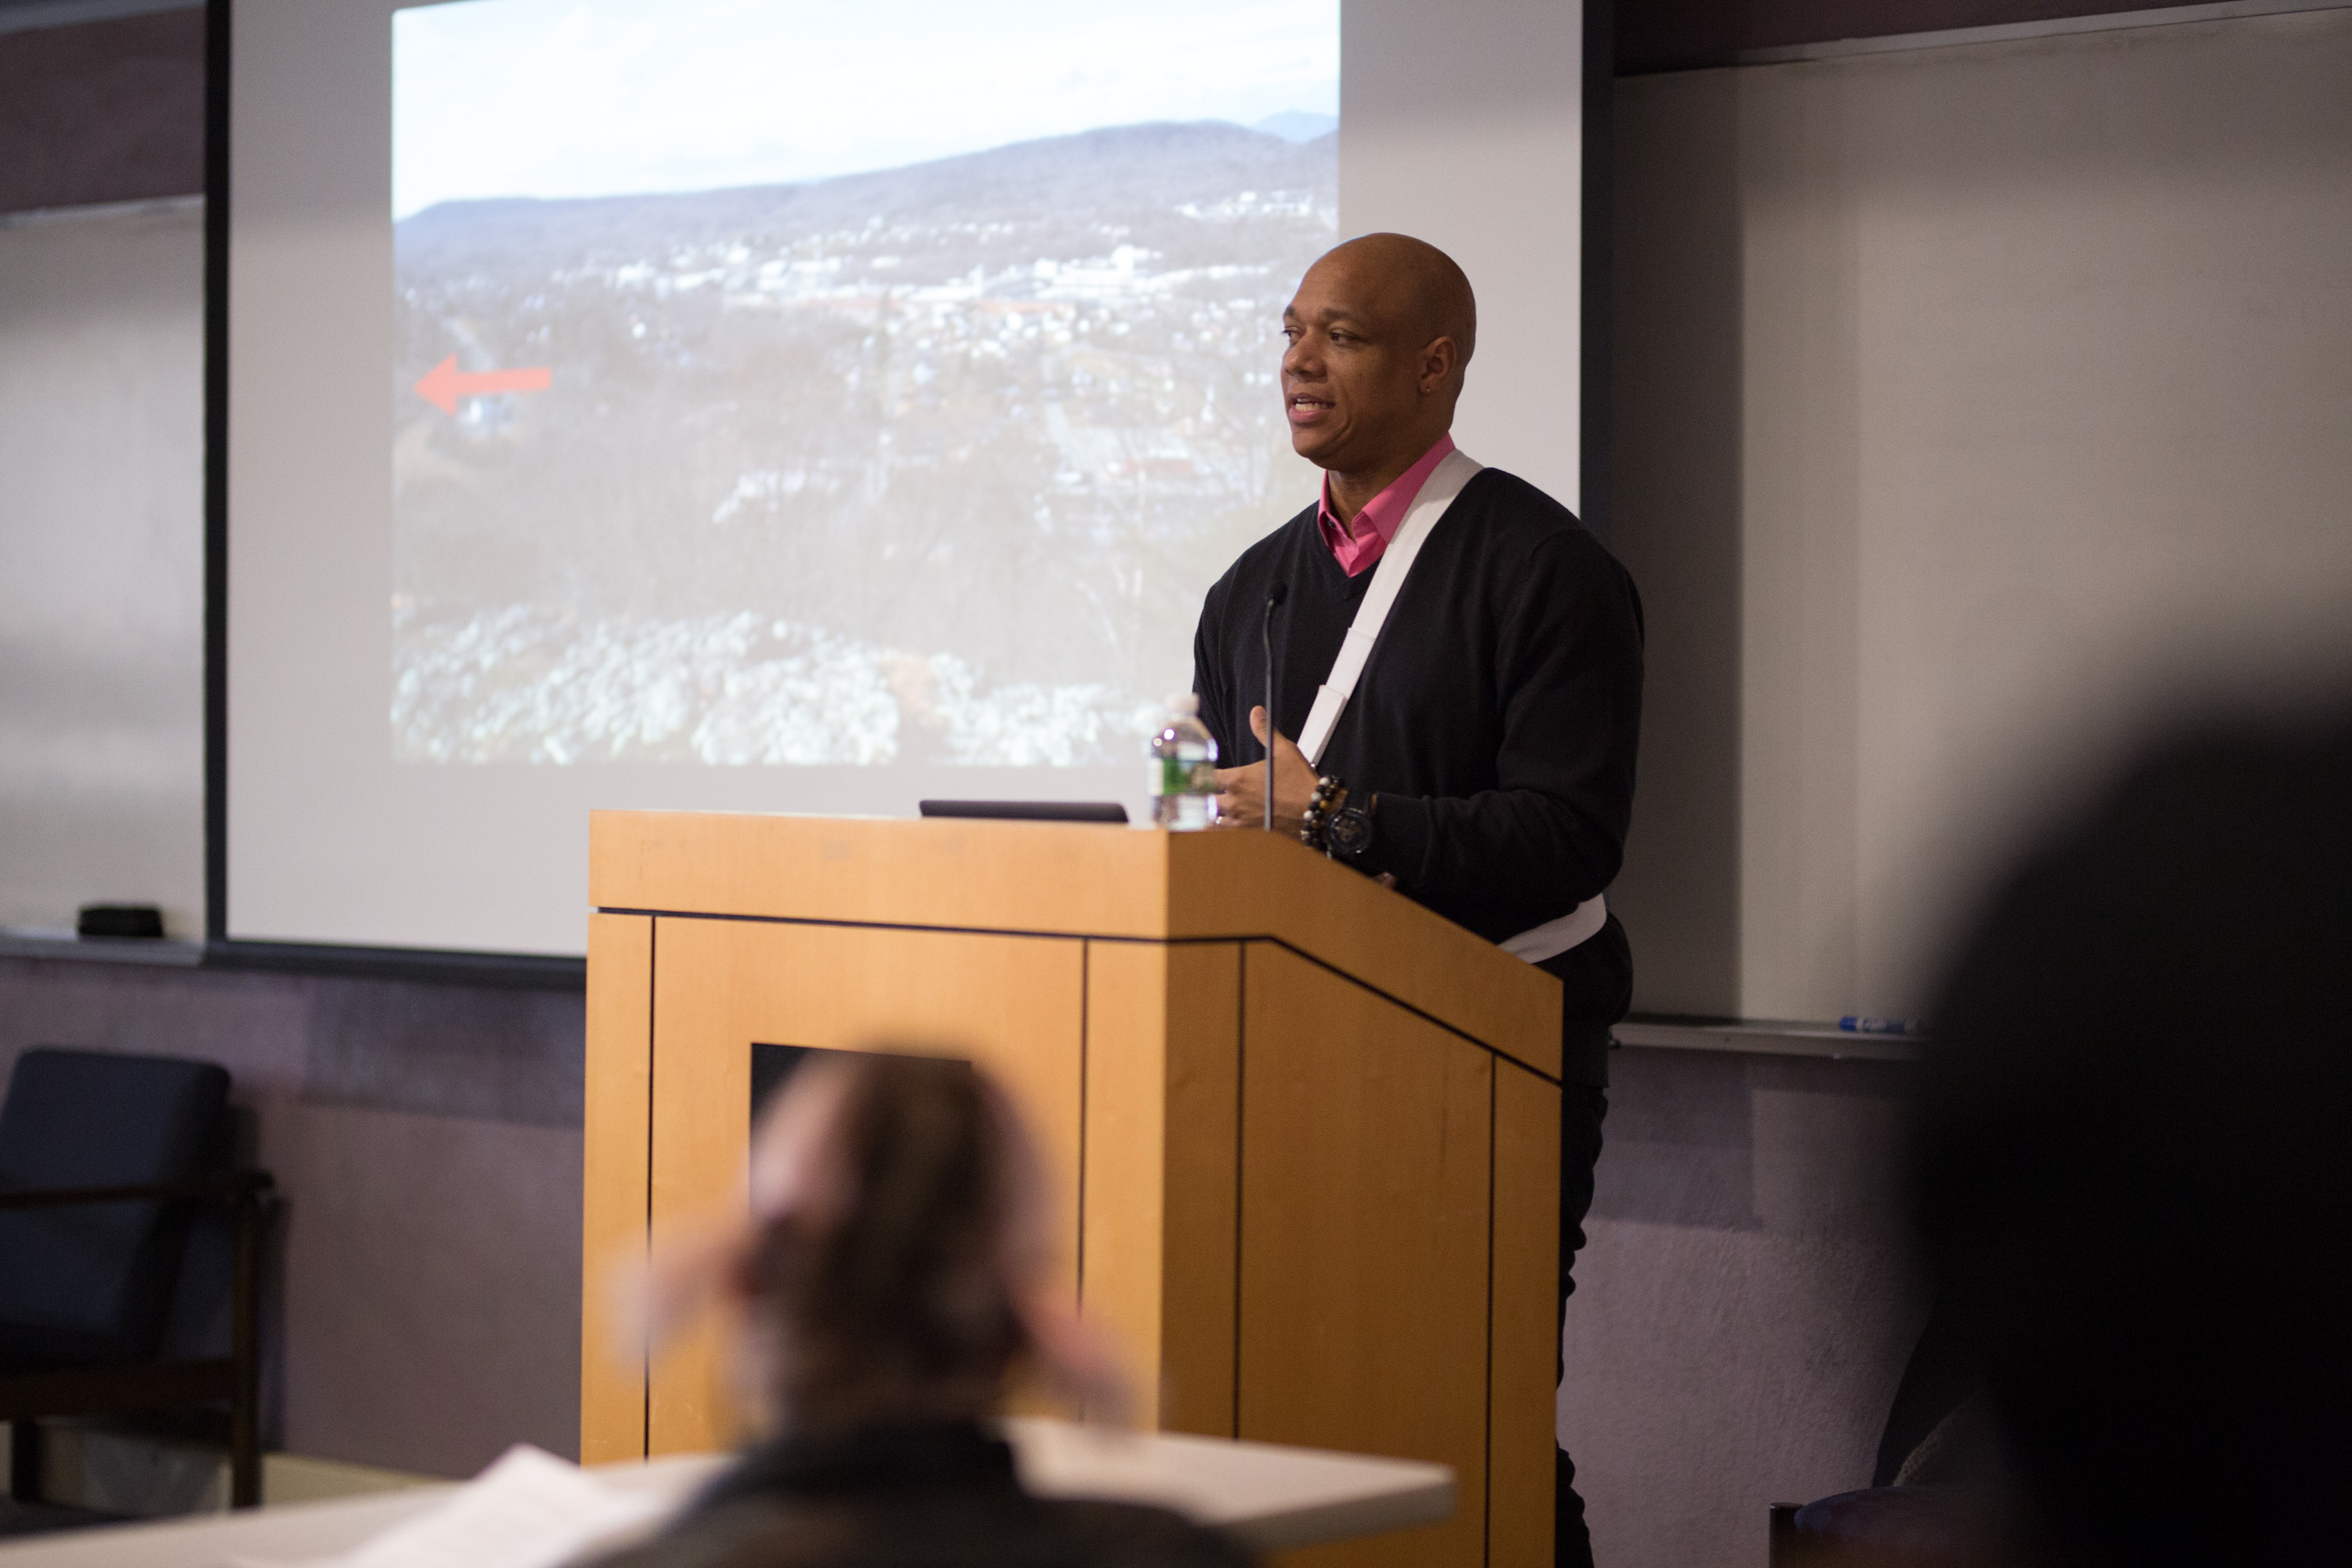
<point>796,384</point>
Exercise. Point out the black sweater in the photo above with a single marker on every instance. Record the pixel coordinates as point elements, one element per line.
<point>1497,719</point>
<point>912,1497</point>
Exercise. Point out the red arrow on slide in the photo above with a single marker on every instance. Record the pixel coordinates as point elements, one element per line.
<point>445,382</point>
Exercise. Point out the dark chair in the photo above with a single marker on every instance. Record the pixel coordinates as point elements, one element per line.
<point>104,1161</point>
<point>1912,1513</point>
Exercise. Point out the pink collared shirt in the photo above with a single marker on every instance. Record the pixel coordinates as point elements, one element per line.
<point>1359,548</point>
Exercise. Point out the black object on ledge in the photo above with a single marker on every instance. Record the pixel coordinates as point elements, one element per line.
<point>136,923</point>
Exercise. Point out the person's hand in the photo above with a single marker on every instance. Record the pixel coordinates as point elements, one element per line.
<point>1241,791</point>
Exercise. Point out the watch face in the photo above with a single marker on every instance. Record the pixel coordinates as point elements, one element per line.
<point>1351,832</point>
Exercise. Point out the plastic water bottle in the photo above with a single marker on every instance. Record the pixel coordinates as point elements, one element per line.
<point>1184,768</point>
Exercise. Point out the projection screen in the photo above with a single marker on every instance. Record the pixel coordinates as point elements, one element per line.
<point>786,405</point>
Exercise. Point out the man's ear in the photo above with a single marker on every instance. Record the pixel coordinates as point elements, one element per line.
<point>1438,363</point>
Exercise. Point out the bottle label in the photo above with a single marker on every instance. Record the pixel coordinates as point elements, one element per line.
<point>1184,775</point>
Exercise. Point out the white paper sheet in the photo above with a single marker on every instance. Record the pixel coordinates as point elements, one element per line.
<point>529,1509</point>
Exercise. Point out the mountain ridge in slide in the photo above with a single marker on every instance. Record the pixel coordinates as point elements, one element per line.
<point>1155,164</point>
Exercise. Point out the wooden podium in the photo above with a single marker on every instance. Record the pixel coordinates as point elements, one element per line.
<point>1306,1133</point>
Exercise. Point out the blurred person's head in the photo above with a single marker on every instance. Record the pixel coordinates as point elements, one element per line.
<point>895,1264</point>
<point>2136,1163</point>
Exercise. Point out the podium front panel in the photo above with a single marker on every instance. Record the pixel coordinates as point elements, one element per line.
<point>1304,1133</point>
<point>1366,1184</point>
<point>1011,1005</point>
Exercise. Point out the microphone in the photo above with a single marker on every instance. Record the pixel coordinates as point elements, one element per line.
<point>1274,599</point>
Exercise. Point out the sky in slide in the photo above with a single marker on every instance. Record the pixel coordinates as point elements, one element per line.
<point>524,98</point>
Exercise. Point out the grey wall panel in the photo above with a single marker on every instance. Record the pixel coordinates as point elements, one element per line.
<point>1745,1304</point>
<point>426,1143</point>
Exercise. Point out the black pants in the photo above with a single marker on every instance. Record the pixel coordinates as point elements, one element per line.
<point>1581,1107</point>
<point>1597,983</point>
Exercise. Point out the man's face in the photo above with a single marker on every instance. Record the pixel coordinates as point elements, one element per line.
<point>1352,377</point>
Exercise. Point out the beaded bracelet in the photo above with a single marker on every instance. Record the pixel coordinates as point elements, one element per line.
<point>1315,829</point>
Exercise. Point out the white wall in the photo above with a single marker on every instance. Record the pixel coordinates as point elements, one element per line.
<point>101,564</point>
<point>1973,403</point>
<point>1463,125</point>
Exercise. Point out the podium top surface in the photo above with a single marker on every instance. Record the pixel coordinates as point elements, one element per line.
<point>1067,879</point>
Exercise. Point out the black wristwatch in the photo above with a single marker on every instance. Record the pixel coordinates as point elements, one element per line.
<point>1351,831</point>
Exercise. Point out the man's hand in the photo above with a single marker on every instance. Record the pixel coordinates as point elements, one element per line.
<point>1241,791</point>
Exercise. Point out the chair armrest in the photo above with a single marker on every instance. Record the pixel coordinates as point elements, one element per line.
<point>234,1184</point>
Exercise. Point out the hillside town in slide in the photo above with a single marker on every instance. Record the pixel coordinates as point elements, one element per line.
<point>928,465</point>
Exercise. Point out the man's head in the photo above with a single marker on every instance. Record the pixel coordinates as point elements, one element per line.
<point>1380,332</point>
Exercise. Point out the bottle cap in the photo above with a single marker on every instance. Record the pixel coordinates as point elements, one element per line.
<point>1184,702</point>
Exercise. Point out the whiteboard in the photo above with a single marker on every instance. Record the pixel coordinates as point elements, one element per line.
<point>1979,410</point>
<point>101,563</point>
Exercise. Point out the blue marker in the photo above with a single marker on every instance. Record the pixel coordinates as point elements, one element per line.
<point>1853,1024</point>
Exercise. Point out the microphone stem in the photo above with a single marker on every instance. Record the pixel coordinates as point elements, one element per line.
<point>1266,632</point>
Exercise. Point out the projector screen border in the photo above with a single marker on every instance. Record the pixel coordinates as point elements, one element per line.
<point>541,972</point>
<point>217,21</point>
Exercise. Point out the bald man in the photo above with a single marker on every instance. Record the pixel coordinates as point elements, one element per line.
<point>1482,762</point>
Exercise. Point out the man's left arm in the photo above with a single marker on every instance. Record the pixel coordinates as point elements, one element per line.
<point>1569,669</point>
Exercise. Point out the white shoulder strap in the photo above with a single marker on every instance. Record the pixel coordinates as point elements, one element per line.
<point>1444,483</point>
